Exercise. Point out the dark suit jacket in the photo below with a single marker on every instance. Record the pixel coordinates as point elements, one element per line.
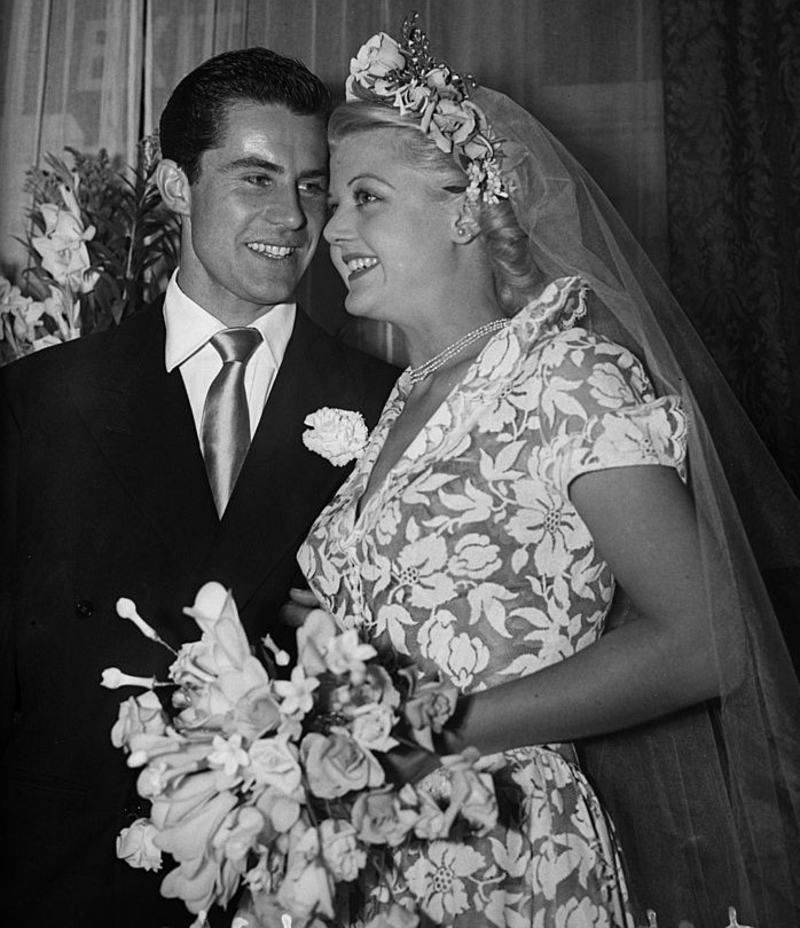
<point>104,494</point>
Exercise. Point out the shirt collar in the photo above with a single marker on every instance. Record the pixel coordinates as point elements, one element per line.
<point>189,326</point>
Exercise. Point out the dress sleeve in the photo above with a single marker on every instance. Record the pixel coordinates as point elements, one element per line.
<point>599,410</point>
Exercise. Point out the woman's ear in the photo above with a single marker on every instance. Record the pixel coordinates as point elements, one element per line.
<point>465,228</point>
<point>174,186</point>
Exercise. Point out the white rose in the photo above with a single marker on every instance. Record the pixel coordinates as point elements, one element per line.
<point>340,848</point>
<point>135,845</point>
<point>372,727</point>
<point>340,435</point>
<point>379,55</point>
<point>274,761</point>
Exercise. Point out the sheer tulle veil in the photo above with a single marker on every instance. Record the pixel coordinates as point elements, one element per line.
<point>707,801</point>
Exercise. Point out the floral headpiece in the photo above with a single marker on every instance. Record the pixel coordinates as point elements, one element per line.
<point>407,77</point>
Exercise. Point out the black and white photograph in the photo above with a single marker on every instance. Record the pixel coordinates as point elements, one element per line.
<point>400,463</point>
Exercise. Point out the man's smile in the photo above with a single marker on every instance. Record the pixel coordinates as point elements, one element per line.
<point>272,251</point>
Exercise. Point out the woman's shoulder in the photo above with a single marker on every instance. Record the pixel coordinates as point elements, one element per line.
<point>580,370</point>
<point>577,352</point>
<point>580,344</point>
<point>552,339</point>
<point>556,326</point>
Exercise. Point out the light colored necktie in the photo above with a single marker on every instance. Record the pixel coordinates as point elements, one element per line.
<point>225,425</point>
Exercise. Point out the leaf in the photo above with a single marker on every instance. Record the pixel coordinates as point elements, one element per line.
<point>519,559</point>
<point>473,501</point>
<point>537,618</point>
<point>499,468</point>
<point>522,666</point>
<point>396,617</point>
<point>512,857</point>
<point>557,397</point>
<point>418,492</point>
<point>487,599</point>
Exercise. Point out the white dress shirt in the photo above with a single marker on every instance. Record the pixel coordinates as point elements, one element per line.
<point>189,329</point>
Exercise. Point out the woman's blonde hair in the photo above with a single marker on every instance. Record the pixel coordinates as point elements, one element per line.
<point>516,275</point>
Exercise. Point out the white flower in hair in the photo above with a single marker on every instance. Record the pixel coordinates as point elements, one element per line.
<point>377,58</point>
<point>339,435</point>
<point>406,77</point>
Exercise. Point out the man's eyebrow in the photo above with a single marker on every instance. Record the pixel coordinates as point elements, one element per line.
<point>254,163</point>
<point>314,172</point>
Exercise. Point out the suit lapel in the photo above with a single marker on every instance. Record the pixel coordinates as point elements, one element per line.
<point>283,485</point>
<point>141,419</point>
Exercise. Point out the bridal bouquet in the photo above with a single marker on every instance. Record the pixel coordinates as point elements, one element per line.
<point>269,779</point>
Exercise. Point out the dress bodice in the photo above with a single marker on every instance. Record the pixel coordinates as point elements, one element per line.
<point>470,557</point>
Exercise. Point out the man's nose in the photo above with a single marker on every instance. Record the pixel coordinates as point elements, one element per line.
<point>285,209</point>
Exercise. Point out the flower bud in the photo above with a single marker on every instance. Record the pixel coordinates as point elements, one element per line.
<point>113,678</point>
<point>126,609</point>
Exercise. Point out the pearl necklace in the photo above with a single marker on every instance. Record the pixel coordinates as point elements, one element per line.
<point>416,374</point>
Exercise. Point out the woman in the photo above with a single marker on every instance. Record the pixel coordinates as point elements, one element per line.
<point>542,458</point>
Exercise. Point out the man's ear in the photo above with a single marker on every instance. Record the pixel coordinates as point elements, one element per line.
<point>174,186</point>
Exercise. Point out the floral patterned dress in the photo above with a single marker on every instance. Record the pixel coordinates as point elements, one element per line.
<point>471,560</point>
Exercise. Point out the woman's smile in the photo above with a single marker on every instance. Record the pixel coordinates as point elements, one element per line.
<point>358,265</point>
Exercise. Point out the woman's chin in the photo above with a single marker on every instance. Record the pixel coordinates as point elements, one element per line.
<point>359,307</point>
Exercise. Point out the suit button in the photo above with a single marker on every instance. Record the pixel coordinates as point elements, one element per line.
<point>84,609</point>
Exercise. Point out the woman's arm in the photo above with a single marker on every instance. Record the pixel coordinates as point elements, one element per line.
<point>644,526</point>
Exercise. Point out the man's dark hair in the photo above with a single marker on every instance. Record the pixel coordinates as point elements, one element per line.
<point>196,115</point>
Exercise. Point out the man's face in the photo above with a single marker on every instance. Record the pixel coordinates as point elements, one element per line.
<point>254,216</point>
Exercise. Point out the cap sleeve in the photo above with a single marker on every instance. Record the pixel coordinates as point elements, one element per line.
<point>599,410</point>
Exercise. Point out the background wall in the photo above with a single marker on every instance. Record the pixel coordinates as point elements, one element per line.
<point>687,112</point>
<point>92,73</point>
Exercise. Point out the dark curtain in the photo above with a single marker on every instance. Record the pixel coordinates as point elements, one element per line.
<point>731,72</point>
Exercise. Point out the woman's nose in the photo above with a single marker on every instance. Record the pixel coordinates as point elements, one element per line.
<point>335,228</point>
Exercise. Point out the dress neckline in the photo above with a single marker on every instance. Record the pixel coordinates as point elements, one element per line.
<point>486,375</point>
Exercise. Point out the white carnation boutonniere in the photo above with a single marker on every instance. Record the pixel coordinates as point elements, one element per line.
<point>339,435</point>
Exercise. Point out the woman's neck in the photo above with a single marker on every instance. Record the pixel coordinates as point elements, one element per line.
<point>446,327</point>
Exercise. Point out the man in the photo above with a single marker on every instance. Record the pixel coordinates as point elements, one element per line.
<point>117,481</point>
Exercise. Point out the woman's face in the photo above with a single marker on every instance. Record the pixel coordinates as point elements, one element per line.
<point>391,240</point>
